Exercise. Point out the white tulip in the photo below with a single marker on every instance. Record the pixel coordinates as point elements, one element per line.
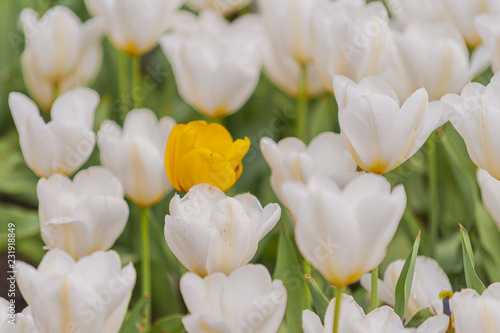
<point>11,322</point>
<point>351,38</point>
<point>488,28</point>
<point>429,280</point>
<point>90,295</point>
<point>134,26</point>
<point>216,63</point>
<point>61,52</point>
<point>291,160</point>
<point>224,7</point>
<point>353,320</point>
<point>490,190</point>
<point>136,154</point>
<point>209,232</point>
<point>245,301</point>
<point>82,216</point>
<point>477,313</point>
<point>344,233</point>
<point>475,116</point>
<point>379,133</point>
<point>63,144</point>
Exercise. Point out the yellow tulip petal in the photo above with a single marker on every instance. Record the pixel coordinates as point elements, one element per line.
<point>213,137</point>
<point>237,151</point>
<point>181,141</point>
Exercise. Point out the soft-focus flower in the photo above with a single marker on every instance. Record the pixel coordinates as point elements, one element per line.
<point>344,233</point>
<point>351,38</point>
<point>477,313</point>
<point>216,63</point>
<point>488,26</point>
<point>290,159</point>
<point>61,52</point>
<point>84,215</point>
<point>475,116</point>
<point>198,153</point>
<point>134,26</point>
<point>429,280</point>
<point>209,232</point>
<point>353,320</point>
<point>136,154</point>
<point>224,7</point>
<point>245,301</point>
<point>379,133</point>
<point>11,322</point>
<point>490,190</point>
<point>90,295</point>
<point>63,144</point>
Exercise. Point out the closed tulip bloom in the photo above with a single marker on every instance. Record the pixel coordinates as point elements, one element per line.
<point>198,153</point>
<point>490,190</point>
<point>63,144</point>
<point>224,7</point>
<point>135,154</point>
<point>291,160</point>
<point>61,52</point>
<point>216,63</point>
<point>209,232</point>
<point>11,322</point>
<point>344,233</point>
<point>379,133</point>
<point>353,320</point>
<point>477,313</point>
<point>134,26</point>
<point>474,114</point>
<point>90,295</point>
<point>247,300</point>
<point>429,280</point>
<point>488,27</point>
<point>84,215</point>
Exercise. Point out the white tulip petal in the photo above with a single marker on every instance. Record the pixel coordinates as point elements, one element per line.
<point>77,105</point>
<point>70,235</point>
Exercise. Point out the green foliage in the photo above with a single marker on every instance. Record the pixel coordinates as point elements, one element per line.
<point>419,318</point>
<point>471,277</point>
<point>170,324</point>
<point>319,299</point>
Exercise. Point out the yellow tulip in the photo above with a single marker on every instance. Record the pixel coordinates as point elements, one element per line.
<point>198,153</point>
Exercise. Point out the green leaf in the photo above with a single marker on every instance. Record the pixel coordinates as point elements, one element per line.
<point>319,299</point>
<point>134,318</point>
<point>25,220</point>
<point>471,277</point>
<point>405,280</point>
<point>419,318</point>
<point>489,242</point>
<point>169,324</point>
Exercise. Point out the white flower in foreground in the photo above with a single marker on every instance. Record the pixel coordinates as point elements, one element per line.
<point>291,159</point>
<point>63,144</point>
<point>11,322</point>
<point>353,320</point>
<point>475,115</point>
<point>490,190</point>
<point>224,7</point>
<point>61,52</point>
<point>429,280</point>
<point>475,313</point>
<point>488,27</point>
<point>245,301</point>
<point>136,154</point>
<point>216,63</point>
<point>344,233</point>
<point>209,232</point>
<point>379,133</point>
<point>90,295</point>
<point>82,216</point>
<point>134,26</point>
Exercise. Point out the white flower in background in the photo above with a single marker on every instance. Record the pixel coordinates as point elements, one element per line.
<point>477,313</point>
<point>63,144</point>
<point>224,7</point>
<point>209,232</point>
<point>490,190</point>
<point>245,301</point>
<point>429,280</point>
<point>11,322</point>
<point>136,154</point>
<point>216,63</point>
<point>488,26</point>
<point>351,38</point>
<point>134,26</point>
<point>291,160</point>
<point>90,295</point>
<point>379,133</point>
<point>474,114</point>
<point>344,233</point>
<point>353,320</point>
<point>61,52</point>
<point>81,216</point>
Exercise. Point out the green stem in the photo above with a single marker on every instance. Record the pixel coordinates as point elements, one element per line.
<point>434,217</point>
<point>136,82</point>
<point>307,271</point>
<point>123,89</point>
<point>338,302</point>
<point>146,267</point>
<point>302,106</point>
<point>374,304</point>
